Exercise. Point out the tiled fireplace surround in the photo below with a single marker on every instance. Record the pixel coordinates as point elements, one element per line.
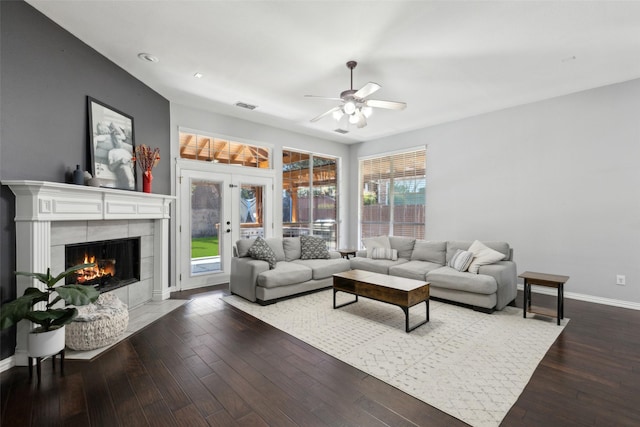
<point>51,215</point>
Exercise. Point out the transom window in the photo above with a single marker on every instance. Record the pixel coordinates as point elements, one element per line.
<point>393,196</point>
<point>217,150</point>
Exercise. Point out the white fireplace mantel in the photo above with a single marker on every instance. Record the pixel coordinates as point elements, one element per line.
<point>53,201</point>
<point>40,203</point>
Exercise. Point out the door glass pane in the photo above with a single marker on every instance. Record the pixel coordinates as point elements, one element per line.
<point>206,205</point>
<point>251,211</point>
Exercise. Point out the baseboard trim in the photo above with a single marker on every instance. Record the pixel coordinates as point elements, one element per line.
<point>585,297</point>
<point>8,363</point>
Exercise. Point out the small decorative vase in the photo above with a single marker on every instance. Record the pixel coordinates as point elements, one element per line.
<point>78,176</point>
<point>46,343</point>
<point>146,181</point>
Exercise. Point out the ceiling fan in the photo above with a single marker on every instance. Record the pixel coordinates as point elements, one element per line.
<point>353,107</point>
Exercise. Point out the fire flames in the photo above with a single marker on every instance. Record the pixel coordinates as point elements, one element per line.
<point>101,268</point>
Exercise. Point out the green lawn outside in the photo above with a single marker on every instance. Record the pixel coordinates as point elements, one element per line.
<point>204,246</point>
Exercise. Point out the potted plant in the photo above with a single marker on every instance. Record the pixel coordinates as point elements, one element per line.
<point>48,338</point>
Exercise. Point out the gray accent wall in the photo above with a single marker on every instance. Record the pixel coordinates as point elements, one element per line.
<point>557,179</point>
<point>46,75</point>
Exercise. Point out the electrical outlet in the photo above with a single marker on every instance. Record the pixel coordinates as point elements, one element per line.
<point>621,280</point>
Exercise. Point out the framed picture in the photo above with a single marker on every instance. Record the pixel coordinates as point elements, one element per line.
<point>112,146</point>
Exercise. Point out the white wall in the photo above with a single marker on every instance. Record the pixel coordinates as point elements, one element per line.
<point>558,179</point>
<point>217,124</point>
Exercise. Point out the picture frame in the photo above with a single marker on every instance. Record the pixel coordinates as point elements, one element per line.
<point>112,146</point>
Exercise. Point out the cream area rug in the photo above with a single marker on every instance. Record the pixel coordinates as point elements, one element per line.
<point>470,365</point>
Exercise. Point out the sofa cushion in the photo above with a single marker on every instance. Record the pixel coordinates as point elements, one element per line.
<point>313,247</point>
<point>261,250</point>
<point>461,260</point>
<point>376,265</point>
<point>447,277</point>
<point>431,251</point>
<point>404,245</point>
<point>285,273</point>
<point>275,243</point>
<point>323,268</point>
<point>413,269</point>
<point>376,242</point>
<point>291,248</point>
<point>384,253</point>
<point>482,255</point>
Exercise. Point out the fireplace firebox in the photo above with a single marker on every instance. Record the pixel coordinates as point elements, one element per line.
<point>117,263</point>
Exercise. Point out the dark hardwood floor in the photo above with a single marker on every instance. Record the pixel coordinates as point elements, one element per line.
<point>208,363</point>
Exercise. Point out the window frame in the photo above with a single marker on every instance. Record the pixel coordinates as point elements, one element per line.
<point>390,195</point>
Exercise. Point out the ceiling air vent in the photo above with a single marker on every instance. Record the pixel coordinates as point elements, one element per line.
<point>342,131</point>
<point>245,105</point>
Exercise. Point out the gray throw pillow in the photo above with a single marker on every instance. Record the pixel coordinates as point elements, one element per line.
<point>261,250</point>
<point>312,247</point>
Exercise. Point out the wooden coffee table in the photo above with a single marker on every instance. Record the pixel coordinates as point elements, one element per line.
<point>405,293</point>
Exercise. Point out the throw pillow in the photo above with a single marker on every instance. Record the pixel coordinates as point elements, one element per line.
<point>261,250</point>
<point>461,260</point>
<point>483,255</point>
<point>384,253</point>
<point>376,242</point>
<point>312,247</point>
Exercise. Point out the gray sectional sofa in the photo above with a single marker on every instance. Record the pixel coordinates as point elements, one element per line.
<point>491,289</point>
<point>253,280</point>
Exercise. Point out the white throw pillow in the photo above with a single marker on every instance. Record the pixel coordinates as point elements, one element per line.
<point>376,242</point>
<point>482,255</point>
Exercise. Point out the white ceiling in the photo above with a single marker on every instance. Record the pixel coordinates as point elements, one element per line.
<point>447,60</point>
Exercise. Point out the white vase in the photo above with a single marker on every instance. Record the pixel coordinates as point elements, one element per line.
<point>45,343</point>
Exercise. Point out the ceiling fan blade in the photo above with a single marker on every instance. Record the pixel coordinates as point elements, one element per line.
<point>326,113</point>
<point>390,105</point>
<point>323,97</point>
<point>367,90</point>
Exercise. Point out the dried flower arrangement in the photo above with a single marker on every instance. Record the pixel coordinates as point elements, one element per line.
<point>146,158</point>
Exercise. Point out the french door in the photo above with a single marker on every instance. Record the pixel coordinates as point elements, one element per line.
<point>216,209</point>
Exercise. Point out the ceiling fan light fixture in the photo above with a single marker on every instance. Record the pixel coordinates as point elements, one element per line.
<point>349,107</point>
<point>354,118</point>
<point>362,122</point>
<point>337,115</point>
<point>367,111</point>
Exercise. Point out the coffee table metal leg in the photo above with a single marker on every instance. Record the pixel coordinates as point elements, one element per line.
<point>335,291</point>
<point>406,318</point>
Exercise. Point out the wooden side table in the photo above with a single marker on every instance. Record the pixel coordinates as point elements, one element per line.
<point>548,280</point>
<point>346,252</point>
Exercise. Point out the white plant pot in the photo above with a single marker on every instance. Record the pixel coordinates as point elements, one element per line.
<point>45,343</point>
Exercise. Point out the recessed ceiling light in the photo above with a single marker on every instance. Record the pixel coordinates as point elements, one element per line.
<point>198,75</point>
<point>147,57</point>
